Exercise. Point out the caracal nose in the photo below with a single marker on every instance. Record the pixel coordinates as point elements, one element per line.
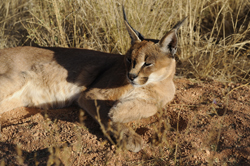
<point>132,76</point>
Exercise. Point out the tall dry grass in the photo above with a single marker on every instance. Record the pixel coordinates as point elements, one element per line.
<point>213,42</point>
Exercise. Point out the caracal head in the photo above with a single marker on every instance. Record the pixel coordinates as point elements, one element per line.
<point>150,60</point>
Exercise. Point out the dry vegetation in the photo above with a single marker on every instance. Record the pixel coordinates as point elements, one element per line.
<point>214,41</point>
<point>213,45</point>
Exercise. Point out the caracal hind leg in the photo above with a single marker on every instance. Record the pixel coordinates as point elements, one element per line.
<point>8,105</point>
<point>126,136</point>
<point>10,90</point>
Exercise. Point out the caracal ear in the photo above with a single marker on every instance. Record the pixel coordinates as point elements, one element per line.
<point>134,34</point>
<point>168,44</point>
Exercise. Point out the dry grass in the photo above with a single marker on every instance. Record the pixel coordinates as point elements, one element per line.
<point>213,43</point>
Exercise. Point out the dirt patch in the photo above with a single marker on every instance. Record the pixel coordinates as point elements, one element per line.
<point>207,123</point>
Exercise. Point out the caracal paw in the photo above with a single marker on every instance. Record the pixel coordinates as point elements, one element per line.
<point>132,141</point>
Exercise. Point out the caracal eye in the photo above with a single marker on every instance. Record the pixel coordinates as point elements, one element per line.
<point>148,64</point>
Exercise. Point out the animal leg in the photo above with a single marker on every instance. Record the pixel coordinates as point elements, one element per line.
<point>126,137</point>
<point>132,109</point>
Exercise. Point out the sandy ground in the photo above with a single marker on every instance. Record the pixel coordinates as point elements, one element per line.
<point>208,123</point>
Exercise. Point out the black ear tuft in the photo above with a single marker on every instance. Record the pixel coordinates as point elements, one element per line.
<point>179,24</point>
<point>134,34</point>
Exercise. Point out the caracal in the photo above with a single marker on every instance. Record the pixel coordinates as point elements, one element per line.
<point>124,87</point>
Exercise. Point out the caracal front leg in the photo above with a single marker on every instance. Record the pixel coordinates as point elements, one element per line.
<point>125,136</point>
<point>127,110</point>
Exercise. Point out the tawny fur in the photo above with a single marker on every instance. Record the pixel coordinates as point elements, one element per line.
<point>56,77</point>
